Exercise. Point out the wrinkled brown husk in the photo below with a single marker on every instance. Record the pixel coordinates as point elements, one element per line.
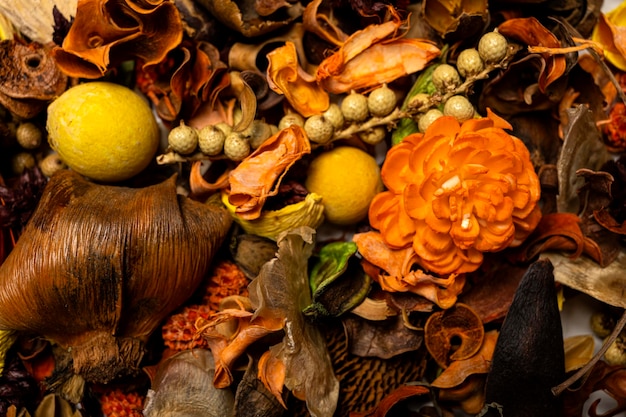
<point>98,267</point>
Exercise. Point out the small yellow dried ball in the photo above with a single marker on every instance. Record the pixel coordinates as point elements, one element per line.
<point>354,107</point>
<point>428,118</point>
<point>492,47</point>
<point>51,164</point>
<point>381,101</point>
<point>257,133</point>
<point>21,161</point>
<point>469,62</point>
<point>445,77</point>
<point>236,147</point>
<point>459,107</point>
<point>318,129</point>
<point>290,119</point>
<point>211,140</point>
<point>334,115</point>
<point>28,135</point>
<point>183,139</point>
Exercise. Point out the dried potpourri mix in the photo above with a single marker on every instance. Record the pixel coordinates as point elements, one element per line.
<point>324,208</point>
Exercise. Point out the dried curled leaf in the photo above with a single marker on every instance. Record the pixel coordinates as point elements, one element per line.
<point>397,273</point>
<point>372,56</point>
<point>281,291</point>
<point>30,78</point>
<point>322,24</point>
<point>382,339</point>
<point>106,32</point>
<point>458,323</point>
<point>456,18</point>
<point>247,18</point>
<point>229,333</point>
<point>258,176</point>
<point>582,148</point>
<point>464,380</point>
<point>531,32</point>
<point>286,76</point>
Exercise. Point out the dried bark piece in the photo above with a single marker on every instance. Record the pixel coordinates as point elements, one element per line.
<point>29,78</point>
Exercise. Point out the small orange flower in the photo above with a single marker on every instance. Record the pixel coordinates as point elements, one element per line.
<point>457,191</point>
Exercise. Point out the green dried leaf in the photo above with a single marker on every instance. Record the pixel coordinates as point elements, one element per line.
<point>423,84</point>
<point>333,261</point>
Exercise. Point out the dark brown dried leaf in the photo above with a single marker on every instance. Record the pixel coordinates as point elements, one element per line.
<point>383,339</point>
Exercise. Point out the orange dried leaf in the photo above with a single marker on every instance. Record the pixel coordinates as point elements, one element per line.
<point>105,33</point>
<point>286,76</point>
<point>530,31</point>
<point>322,25</point>
<point>228,343</point>
<point>258,176</point>
<point>459,370</point>
<point>372,56</point>
<point>272,372</point>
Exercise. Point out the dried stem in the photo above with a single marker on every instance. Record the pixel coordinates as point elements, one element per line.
<point>558,390</point>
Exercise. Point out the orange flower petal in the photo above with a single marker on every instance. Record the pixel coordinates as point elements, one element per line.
<point>285,76</point>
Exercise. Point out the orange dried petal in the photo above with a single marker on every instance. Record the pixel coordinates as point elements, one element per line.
<point>258,176</point>
<point>285,76</point>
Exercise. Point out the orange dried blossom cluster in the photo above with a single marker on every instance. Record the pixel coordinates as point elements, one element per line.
<point>117,403</point>
<point>457,191</point>
<point>179,331</point>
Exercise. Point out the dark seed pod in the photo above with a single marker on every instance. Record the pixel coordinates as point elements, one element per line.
<point>529,359</point>
<point>98,267</point>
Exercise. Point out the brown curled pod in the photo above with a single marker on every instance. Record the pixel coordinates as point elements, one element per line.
<point>98,267</point>
<point>453,334</point>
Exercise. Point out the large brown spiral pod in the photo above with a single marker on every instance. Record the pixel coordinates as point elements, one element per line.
<point>98,267</point>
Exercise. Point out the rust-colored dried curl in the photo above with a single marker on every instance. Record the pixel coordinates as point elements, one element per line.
<point>457,191</point>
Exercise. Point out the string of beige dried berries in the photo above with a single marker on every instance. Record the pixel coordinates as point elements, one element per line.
<point>369,117</point>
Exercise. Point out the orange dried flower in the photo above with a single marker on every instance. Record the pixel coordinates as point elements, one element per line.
<point>105,33</point>
<point>179,331</point>
<point>227,279</point>
<point>615,129</point>
<point>116,403</point>
<point>457,191</point>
